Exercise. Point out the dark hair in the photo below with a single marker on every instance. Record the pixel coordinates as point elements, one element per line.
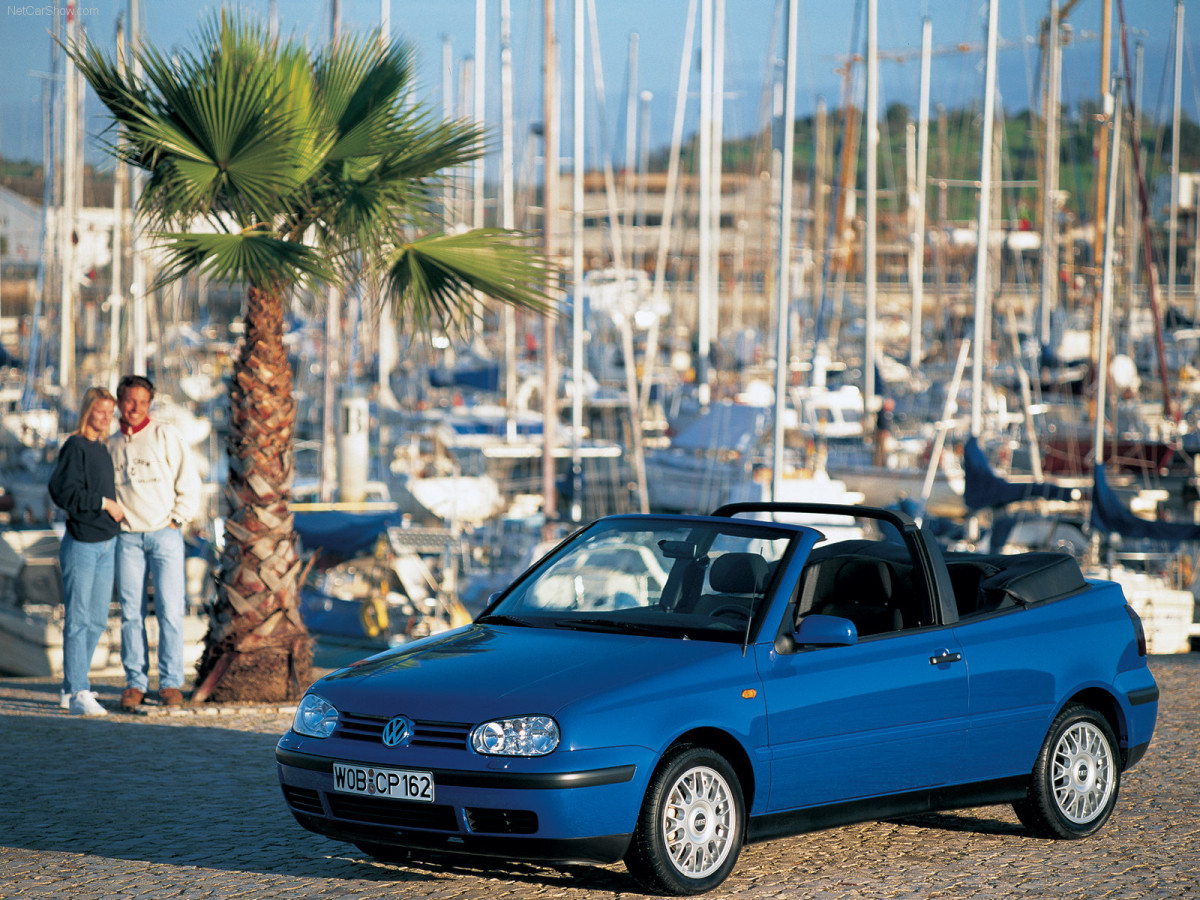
<point>132,381</point>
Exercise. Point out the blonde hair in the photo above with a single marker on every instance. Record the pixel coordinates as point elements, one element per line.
<point>91,397</point>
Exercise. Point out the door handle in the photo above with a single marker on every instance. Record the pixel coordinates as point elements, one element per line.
<point>947,656</point>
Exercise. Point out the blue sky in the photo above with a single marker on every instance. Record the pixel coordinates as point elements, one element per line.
<point>828,33</point>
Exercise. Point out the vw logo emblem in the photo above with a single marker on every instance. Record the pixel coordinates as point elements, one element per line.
<point>397,732</point>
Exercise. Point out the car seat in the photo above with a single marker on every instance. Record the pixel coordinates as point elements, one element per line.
<point>862,592</point>
<point>736,579</point>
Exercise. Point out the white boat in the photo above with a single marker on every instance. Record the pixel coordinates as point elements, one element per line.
<point>31,613</point>
<point>1166,611</point>
<point>461,499</point>
<point>881,486</point>
<point>31,641</point>
<point>707,459</point>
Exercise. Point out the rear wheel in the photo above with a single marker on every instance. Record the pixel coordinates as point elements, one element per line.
<point>689,831</point>
<point>1076,778</point>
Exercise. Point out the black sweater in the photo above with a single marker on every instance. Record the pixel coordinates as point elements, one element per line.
<point>83,477</point>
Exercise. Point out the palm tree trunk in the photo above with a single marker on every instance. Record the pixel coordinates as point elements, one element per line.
<point>257,648</point>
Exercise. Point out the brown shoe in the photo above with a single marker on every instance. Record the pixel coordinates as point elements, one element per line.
<point>170,697</point>
<point>131,698</point>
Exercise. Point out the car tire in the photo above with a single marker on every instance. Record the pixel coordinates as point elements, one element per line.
<point>1076,778</point>
<point>691,825</point>
<point>384,852</point>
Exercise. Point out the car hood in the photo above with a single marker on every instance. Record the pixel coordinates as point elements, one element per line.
<point>482,671</point>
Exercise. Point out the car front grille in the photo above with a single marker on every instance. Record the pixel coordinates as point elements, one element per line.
<point>393,813</point>
<point>502,821</point>
<point>426,732</point>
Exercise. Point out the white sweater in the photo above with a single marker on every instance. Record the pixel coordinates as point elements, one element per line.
<point>157,480</point>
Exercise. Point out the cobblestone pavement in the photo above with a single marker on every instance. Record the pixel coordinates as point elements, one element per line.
<point>186,804</point>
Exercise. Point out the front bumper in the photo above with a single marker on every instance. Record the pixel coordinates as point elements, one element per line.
<point>586,814</point>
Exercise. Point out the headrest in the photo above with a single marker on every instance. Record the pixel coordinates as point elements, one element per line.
<point>864,581</point>
<point>738,573</point>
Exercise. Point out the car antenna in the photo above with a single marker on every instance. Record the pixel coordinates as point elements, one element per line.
<point>749,623</point>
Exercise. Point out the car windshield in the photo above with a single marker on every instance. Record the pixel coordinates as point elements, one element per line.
<point>648,575</point>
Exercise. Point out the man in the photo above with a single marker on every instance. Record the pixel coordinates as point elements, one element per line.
<point>159,488</point>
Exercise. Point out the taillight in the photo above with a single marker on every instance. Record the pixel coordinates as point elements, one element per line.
<point>1138,630</point>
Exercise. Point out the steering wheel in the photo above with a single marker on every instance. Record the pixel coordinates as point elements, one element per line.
<point>735,608</point>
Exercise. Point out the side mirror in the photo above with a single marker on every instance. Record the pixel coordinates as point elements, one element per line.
<point>826,631</point>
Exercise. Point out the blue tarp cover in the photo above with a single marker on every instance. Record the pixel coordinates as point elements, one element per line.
<point>1110,515</point>
<point>344,533</point>
<point>984,489</point>
<point>725,426</point>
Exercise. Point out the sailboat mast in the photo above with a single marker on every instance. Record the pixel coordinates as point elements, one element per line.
<point>550,248</point>
<point>69,213</point>
<point>1049,250</point>
<point>333,342</point>
<point>870,274</point>
<point>577,170</point>
<point>138,268</point>
<point>1135,159</point>
<point>508,210</point>
<point>672,188</point>
<point>1173,220</point>
<point>629,163</point>
<point>704,288</point>
<point>917,267</point>
<point>716,172</point>
<point>985,218</point>
<point>625,321</point>
<point>981,292</point>
<point>480,108</point>
<point>120,178</point>
<point>788,152</point>
<point>386,338</point>
<point>1106,105</point>
<point>1106,288</point>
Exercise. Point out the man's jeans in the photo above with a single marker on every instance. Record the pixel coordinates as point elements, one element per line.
<point>87,573</point>
<point>159,554</point>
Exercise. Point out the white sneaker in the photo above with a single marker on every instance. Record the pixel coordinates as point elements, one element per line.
<point>84,704</point>
<point>64,698</point>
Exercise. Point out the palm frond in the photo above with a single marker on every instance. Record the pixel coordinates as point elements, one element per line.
<point>222,127</point>
<point>253,257</point>
<point>305,168</point>
<point>434,279</point>
<point>362,85</point>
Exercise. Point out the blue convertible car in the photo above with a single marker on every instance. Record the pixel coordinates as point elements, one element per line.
<point>662,689</point>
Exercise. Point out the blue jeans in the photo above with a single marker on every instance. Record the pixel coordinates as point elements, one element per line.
<point>159,554</point>
<point>87,572</point>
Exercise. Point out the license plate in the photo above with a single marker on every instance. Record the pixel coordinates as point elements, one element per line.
<point>399,784</point>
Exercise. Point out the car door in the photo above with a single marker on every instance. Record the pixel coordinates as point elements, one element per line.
<point>885,715</point>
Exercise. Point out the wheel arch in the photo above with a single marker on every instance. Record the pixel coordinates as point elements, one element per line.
<point>1107,705</point>
<point>730,748</point>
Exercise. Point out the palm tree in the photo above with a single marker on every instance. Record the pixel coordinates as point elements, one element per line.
<point>270,167</point>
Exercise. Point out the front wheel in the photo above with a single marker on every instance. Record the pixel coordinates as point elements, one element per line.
<point>1076,778</point>
<point>689,831</point>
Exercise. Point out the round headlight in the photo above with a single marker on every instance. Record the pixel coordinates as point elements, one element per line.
<point>315,717</point>
<point>518,736</point>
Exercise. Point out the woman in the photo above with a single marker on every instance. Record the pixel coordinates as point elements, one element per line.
<point>84,486</point>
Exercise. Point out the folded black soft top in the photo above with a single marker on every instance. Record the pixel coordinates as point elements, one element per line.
<point>1027,578</point>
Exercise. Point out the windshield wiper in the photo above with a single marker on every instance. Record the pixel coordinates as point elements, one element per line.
<point>504,620</point>
<point>619,626</point>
